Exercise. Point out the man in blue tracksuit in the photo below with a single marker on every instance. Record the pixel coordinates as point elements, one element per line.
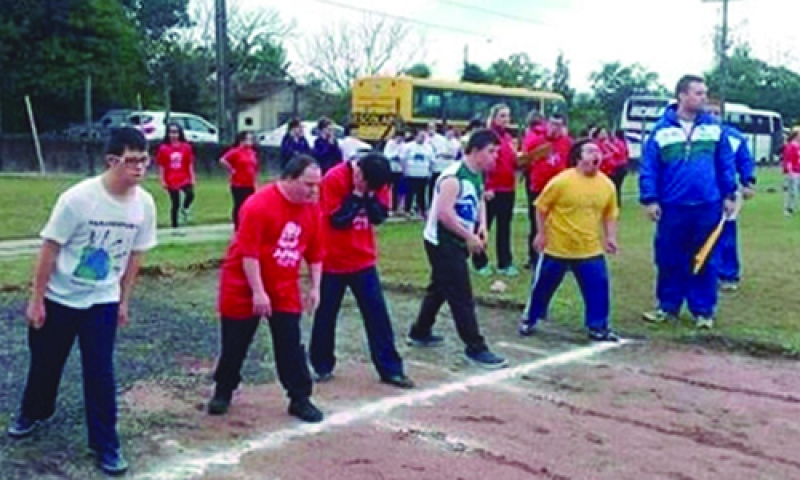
<point>729,269</point>
<point>687,179</point>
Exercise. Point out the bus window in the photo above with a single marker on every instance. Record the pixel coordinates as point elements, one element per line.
<point>777,124</point>
<point>532,105</point>
<point>427,103</point>
<point>481,105</point>
<point>457,105</point>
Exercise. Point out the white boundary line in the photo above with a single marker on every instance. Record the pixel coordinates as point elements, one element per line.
<point>197,463</point>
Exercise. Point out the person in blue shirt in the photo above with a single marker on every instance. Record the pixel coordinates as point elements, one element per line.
<point>687,180</point>
<point>294,142</point>
<point>728,245</point>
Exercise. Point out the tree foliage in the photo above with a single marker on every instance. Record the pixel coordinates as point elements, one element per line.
<point>418,70</point>
<point>560,83</point>
<point>519,71</point>
<point>615,82</point>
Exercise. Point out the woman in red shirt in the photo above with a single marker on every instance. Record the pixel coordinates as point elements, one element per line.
<point>791,172</point>
<point>175,158</point>
<point>241,161</point>
<point>500,186</point>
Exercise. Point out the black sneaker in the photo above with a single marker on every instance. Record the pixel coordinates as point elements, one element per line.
<point>430,341</point>
<point>22,427</point>
<point>603,336</point>
<point>305,411</point>
<point>220,403</point>
<point>400,381</point>
<point>486,359</point>
<point>112,462</point>
<point>526,329</point>
<point>323,377</point>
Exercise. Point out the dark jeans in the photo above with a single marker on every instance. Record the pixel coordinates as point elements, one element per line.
<point>501,206</point>
<point>728,252</point>
<point>175,199</point>
<point>450,283</point>
<point>533,255</point>
<point>240,194</point>
<point>366,287</point>
<point>95,329</point>
<point>398,190</point>
<point>416,191</point>
<point>290,356</point>
<point>618,177</point>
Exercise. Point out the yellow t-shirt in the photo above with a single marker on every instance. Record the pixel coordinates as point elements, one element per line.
<point>576,206</point>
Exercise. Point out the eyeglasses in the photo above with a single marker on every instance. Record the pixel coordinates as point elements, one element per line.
<point>141,161</point>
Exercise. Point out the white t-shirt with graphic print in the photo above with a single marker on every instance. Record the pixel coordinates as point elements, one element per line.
<point>97,234</point>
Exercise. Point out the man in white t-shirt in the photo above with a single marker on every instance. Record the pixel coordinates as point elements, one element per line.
<point>442,155</point>
<point>93,246</point>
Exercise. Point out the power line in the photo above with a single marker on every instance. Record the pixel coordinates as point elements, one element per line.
<point>476,8</point>
<point>404,19</point>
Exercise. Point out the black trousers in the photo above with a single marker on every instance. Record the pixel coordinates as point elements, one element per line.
<point>533,255</point>
<point>240,194</point>
<point>618,177</point>
<point>290,355</point>
<point>417,188</point>
<point>450,283</point>
<point>175,199</point>
<point>501,207</point>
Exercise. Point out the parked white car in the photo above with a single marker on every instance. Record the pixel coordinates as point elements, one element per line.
<point>153,125</point>
<point>347,144</point>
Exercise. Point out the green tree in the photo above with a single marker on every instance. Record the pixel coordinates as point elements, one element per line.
<point>418,70</point>
<point>519,71</point>
<point>475,74</point>
<point>154,18</point>
<point>561,79</point>
<point>755,83</point>
<point>615,82</point>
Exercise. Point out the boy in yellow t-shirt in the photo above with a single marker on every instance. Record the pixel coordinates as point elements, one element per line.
<point>576,216</point>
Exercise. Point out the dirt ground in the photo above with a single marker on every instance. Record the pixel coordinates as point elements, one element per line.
<point>563,410</point>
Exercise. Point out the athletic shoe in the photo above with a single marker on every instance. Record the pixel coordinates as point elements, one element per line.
<point>220,403</point>
<point>603,336</point>
<point>729,286</point>
<point>323,377</point>
<point>112,462</point>
<point>509,271</point>
<point>22,427</point>
<point>658,316</point>
<point>526,329</point>
<point>399,381</point>
<point>484,272</point>
<point>430,341</point>
<point>486,359</point>
<point>704,323</point>
<point>305,411</point>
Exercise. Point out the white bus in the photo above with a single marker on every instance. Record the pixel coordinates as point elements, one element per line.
<point>762,128</point>
<point>639,114</point>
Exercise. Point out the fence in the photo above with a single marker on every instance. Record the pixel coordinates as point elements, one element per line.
<point>18,155</point>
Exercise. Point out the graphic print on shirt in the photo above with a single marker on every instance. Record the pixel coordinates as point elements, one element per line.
<point>361,221</point>
<point>467,205</point>
<point>104,252</point>
<point>286,253</point>
<point>175,160</point>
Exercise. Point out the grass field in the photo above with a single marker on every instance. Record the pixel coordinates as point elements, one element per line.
<point>760,317</point>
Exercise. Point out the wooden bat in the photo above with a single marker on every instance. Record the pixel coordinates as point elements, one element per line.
<point>702,256</point>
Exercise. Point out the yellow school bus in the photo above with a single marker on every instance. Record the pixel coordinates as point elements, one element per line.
<point>380,104</point>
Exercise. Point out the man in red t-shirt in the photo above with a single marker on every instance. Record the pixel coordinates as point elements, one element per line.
<point>552,153</point>
<point>280,226</point>
<point>355,196</point>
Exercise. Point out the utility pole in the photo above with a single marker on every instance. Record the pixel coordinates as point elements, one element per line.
<point>87,111</point>
<point>723,58</point>
<point>222,70</point>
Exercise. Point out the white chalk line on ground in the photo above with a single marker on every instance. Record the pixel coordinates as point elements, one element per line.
<point>193,464</point>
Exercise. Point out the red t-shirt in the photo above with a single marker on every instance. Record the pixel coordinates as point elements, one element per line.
<point>611,155</point>
<point>543,170</point>
<point>352,249</point>
<point>177,165</point>
<point>501,177</point>
<point>280,234</point>
<point>791,158</point>
<point>622,152</point>
<point>244,162</point>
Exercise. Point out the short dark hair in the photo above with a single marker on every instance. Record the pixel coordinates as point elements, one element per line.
<point>577,150</point>
<point>125,138</point>
<point>293,123</point>
<point>535,118</point>
<point>685,81</point>
<point>559,116</point>
<point>323,123</point>
<point>295,167</point>
<point>376,170</point>
<point>480,139</point>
